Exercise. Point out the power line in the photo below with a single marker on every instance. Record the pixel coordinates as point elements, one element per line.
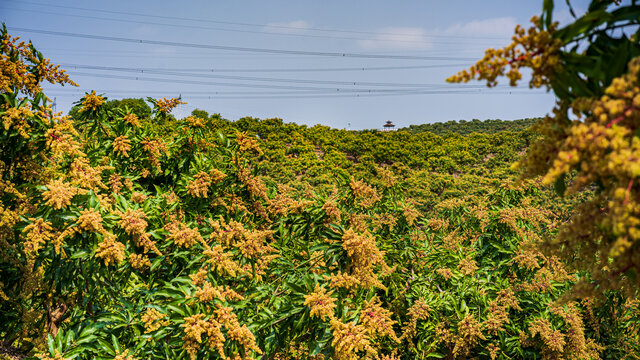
<point>335,69</point>
<point>246,78</point>
<point>239,48</point>
<point>349,95</point>
<point>138,51</point>
<point>82,91</point>
<point>207,55</point>
<point>357,69</point>
<point>113,54</point>
<point>76,91</point>
<point>263,86</point>
<point>248,24</point>
<point>395,40</point>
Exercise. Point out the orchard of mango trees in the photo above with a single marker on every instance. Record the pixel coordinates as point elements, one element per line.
<point>127,233</point>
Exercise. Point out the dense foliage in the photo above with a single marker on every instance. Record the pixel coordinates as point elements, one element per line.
<point>591,140</point>
<point>138,107</point>
<point>128,234</point>
<point>464,127</point>
<point>429,167</point>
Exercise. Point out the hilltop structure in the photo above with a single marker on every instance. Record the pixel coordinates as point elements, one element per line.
<point>389,126</point>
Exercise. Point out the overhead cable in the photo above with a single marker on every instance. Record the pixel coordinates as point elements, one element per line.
<point>247,78</point>
<point>391,37</point>
<point>275,26</point>
<point>240,48</point>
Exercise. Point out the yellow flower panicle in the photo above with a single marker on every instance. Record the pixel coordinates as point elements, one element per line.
<point>199,186</point>
<point>255,185</point>
<point>110,250</point>
<point>133,221</point>
<point>410,213</point>
<point>534,48</point>
<point>182,235</point>
<point>248,143</point>
<point>86,176</point>
<point>154,149</point>
<point>38,233</point>
<point>554,340</point>
<point>420,310</point>
<point>253,244</point>
<point>364,256</point>
<point>364,194</point>
<point>226,234</point>
<point>243,336</point>
<point>195,122</point>
<point>90,220</point>
<point>321,303</point>
<point>196,328</point>
<point>91,102</point>
<point>59,194</point>
<point>467,266</point>
<point>165,106</point>
<point>496,319</point>
<point>222,261</point>
<point>138,261</point>
<point>469,334</point>
<point>124,356</point>
<point>138,197</point>
<point>445,273</point>
<point>330,207</point>
<point>62,139</point>
<point>377,320</point>
<point>208,293</point>
<point>350,341</point>
<point>16,73</point>
<point>600,147</point>
<point>132,119</point>
<point>153,320</point>
<point>122,145</point>
<point>18,119</point>
<point>200,276</point>
<point>57,356</point>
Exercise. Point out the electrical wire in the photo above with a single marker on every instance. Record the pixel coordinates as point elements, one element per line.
<point>334,69</point>
<point>69,67</point>
<point>197,82</point>
<point>82,91</point>
<point>321,96</point>
<point>395,38</point>
<point>249,24</point>
<point>240,48</point>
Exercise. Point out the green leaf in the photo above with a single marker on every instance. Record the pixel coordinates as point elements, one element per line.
<point>436,355</point>
<point>51,344</point>
<point>116,345</point>
<point>86,339</point>
<point>560,185</point>
<point>547,12</point>
<point>106,347</point>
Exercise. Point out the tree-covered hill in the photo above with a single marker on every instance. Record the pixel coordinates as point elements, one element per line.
<point>430,167</point>
<point>464,127</point>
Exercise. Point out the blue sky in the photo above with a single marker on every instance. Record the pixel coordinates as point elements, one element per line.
<point>398,54</point>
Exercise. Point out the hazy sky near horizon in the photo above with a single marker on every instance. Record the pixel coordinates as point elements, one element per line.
<point>345,64</point>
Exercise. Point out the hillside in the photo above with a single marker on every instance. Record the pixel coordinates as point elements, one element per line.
<point>430,167</point>
<point>464,127</point>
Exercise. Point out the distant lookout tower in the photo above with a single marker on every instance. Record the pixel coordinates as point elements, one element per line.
<point>389,126</point>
